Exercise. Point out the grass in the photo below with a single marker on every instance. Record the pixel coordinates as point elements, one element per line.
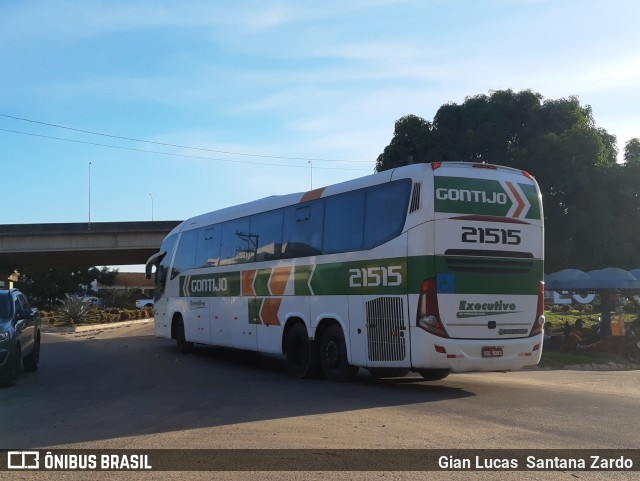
<point>558,359</point>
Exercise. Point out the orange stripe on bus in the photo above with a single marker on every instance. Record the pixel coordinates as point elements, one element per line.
<point>313,194</point>
<point>279,279</point>
<point>521,204</point>
<point>247,283</point>
<point>269,313</point>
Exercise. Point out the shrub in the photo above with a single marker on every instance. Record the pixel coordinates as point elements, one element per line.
<point>72,310</point>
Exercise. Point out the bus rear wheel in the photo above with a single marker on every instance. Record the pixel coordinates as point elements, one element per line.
<point>300,353</point>
<point>433,374</point>
<point>333,355</point>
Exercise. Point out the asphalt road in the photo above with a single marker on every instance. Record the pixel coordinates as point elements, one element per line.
<point>123,388</point>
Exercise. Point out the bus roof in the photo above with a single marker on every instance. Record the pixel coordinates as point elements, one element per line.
<point>415,171</point>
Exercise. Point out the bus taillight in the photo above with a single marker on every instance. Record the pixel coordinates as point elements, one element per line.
<point>428,317</point>
<point>538,324</point>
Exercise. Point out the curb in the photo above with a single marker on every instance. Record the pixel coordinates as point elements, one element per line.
<point>93,327</point>
<point>610,366</point>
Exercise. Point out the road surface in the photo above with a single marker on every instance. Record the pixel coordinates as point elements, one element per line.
<point>124,389</point>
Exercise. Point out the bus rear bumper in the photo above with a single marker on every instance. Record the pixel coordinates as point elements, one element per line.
<point>463,355</point>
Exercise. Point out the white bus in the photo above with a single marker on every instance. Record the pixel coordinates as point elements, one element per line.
<point>431,268</point>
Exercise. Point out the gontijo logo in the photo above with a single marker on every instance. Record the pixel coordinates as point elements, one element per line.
<point>462,195</point>
<point>484,196</point>
<point>206,285</point>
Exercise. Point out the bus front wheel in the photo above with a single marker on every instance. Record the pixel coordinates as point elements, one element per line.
<point>181,341</point>
<point>300,353</point>
<point>333,355</point>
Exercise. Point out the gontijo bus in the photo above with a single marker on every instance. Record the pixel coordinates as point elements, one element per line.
<point>432,268</point>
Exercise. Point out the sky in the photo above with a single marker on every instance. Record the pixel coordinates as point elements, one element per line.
<point>129,111</point>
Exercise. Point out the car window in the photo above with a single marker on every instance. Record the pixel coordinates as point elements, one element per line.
<point>5,306</point>
<point>24,302</point>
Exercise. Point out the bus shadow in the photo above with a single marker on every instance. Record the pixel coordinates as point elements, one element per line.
<point>93,389</point>
<point>276,365</point>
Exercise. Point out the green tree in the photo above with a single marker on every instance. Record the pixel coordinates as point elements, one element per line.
<point>47,286</point>
<point>104,275</point>
<point>632,152</point>
<point>558,141</point>
<point>410,141</point>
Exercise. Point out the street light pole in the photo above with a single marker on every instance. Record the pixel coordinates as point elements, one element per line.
<point>151,195</point>
<point>311,164</point>
<point>89,228</point>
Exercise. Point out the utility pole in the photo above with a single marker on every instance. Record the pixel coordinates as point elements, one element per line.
<point>89,227</point>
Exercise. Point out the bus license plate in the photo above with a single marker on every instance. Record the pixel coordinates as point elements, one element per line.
<point>492,351</point>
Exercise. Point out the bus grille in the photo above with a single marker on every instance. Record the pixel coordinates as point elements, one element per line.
<point>385,329</point>
<point>488,262</point>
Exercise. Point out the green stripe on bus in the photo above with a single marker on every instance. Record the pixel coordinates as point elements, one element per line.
<point>367,277</point>
<point>532,196</point>
<point>301,276</point>
<point>395,276</point>
<point>254,310</point>
<point>490,275</point>
<point>261,284</point>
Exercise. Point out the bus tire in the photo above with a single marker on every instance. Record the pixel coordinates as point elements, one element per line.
<point>183,345</point>
<point>433,374</point>
<point>382,372</point>
<point>333,355</point>
<point>301,354</point>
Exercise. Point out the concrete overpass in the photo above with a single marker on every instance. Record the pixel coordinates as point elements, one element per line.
<point>80,244</point>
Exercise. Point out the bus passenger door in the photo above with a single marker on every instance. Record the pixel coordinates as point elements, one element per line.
<point>221,326</point>
<point>243,331</point>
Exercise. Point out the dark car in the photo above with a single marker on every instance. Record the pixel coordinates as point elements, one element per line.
<point>19,336</point>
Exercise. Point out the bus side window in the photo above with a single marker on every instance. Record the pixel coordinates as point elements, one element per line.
<point>186,253</point>
<point>234,245</point>
<point>208,247</point>
<point>266,233</point>
<point>386,212</point>
<point>343,222</point>
<point>302,232</point>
